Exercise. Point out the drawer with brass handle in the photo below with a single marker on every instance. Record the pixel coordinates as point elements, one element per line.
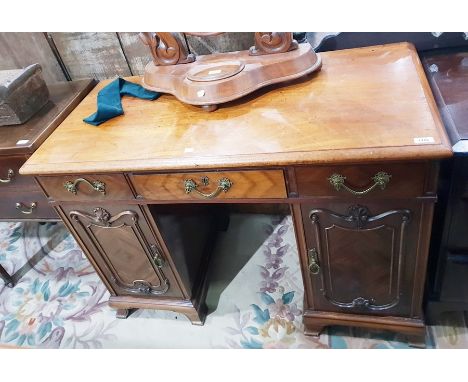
<point>86,187</point>
<point>10,177</point>
<point>390,180</point>
<point>25,205</point>
<point>253,184</point>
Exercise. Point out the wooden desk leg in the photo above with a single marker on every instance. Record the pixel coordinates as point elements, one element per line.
<point>124,313</point>
<point>417,341</point>
<point>6,278</point>
<point>313,330</point>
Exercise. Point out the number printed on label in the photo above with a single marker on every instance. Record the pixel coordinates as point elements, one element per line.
<point>423,140</point>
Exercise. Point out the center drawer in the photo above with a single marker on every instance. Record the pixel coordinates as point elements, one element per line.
<point>251,184</point>
<point>374,180</point>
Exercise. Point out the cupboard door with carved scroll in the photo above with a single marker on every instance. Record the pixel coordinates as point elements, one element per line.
<point>123,247</point>
<point>361,258</point>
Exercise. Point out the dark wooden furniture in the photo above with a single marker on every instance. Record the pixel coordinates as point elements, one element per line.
<point>21,199</point>
<point>423,41</point>
<point>447,71</point>
<point>353,150</point>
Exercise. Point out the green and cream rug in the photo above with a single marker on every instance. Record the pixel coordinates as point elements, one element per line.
<point>255,298</point>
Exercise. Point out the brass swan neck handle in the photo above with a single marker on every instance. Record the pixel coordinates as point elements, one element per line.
<point>224,184</point>
<point>96,185</point>
<point>381,179</point>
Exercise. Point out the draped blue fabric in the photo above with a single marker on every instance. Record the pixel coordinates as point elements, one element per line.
<point>109,104</point>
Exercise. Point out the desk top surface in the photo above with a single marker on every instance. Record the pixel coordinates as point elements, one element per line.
<point>448,74</point>
<point>365,105</point>
<point>27,137</point>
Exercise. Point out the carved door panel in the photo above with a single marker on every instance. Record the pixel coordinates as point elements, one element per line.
<point>361,258</point>
<point>124,249</point>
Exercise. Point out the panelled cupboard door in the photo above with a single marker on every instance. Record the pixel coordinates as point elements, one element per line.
<point>361,257</point>
<point>122,245</point>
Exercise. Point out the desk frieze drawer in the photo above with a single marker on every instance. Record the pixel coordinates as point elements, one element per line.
<point>86,187</point>
<point>394,180</point>
<point>31,205</point>
<point>251,184</point>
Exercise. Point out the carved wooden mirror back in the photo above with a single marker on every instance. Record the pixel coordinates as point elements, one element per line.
<point>207,80</point>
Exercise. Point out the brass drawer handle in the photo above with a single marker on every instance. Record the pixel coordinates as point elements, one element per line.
<point>381,179</point>
<point>157,257</point>
<point>314,267</point>
<point>224,184</point>
<point>96,185</point>
<point>25,209</point>
<point>9,178</point>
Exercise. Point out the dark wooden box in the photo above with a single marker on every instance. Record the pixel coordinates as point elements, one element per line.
<point>22,93</point>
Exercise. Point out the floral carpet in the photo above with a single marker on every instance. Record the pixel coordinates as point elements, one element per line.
<point>255,298</point>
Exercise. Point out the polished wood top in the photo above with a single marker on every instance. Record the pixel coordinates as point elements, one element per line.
<point>27,137</point>
<point>365,105</point>
<point>448,75</point>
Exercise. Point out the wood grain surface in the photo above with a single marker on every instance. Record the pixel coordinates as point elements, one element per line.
<point>136,53</point>
<point>25,138</point>
<point>99,55</point>
<point>225,42</point>
<point>18,50</point>
<point>365,105</point>
<point>245,185</point>
<point>91,54</point>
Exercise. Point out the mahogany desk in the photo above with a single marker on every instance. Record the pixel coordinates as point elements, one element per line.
<point>352,150</point>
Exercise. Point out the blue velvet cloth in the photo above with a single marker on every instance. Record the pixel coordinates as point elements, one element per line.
<point>109,103</point>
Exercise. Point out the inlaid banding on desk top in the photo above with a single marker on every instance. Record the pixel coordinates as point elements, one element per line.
<point>366,104</point>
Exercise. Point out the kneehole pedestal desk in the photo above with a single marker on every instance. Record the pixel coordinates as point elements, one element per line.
<point>353,150</point>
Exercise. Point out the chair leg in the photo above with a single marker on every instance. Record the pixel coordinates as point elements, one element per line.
<point>6,278</point>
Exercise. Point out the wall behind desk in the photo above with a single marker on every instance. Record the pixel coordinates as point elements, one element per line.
<point>71,56</point>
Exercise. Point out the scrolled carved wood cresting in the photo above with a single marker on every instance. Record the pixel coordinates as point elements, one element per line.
<point>166,48</point>
<point>273,42</point>
<point>360,216</point>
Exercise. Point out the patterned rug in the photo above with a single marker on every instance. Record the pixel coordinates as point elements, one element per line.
<point>254,298</point>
